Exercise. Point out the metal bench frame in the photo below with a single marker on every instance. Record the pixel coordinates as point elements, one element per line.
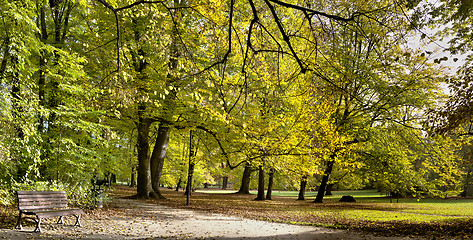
<point>37,205</point>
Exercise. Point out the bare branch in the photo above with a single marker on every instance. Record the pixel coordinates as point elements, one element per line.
<point>308,10</point>
<point>285,36</point>
<point>137,3</point>
<point>107,5</point>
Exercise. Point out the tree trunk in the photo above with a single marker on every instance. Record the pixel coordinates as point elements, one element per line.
<point>17,109</point>
<point>190,175</point>
<point>245,180</point>
<point>42,68</point>
<point>225,183</point>
<point>113,179</point>
<point>260,196</point>
<point>16,98</point>
<point>157,158</point>
<point>467,188</point>
<point>270,184</point>
<point>41,93</point>
<point>162,139</point>
<point>328,190</point>
<point>5,59</point>
<point>323,184</point>
<point>303,187</point>
<point>190,172</point>
<point>133,182</point>
<point>178,185</point>
<point>144,187</point>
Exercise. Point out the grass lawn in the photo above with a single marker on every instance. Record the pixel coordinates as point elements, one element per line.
<point>372,212</point>
<point>425,209</point>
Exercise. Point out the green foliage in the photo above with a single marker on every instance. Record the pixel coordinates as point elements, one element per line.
<point>277,88</point>
<point>77,195</point>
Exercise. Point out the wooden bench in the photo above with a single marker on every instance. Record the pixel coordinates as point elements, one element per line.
<point>44,204</point>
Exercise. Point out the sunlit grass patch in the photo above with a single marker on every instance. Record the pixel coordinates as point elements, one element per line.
<point>449,207</point>
<point>384,216</point>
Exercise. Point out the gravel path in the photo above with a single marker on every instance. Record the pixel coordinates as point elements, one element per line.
<point>139,220</point>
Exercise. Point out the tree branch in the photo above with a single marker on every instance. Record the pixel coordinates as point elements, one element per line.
<point>285,36</point>
<point>308,10</point>
<point>220,145</point>
<point>229,50</point>
<point>117,22</point>
<point>137,3</point>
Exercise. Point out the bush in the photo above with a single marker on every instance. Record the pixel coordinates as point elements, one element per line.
<point>77,195</point>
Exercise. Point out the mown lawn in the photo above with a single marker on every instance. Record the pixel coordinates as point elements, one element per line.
<point>372,212</point>
<point>434,209</point>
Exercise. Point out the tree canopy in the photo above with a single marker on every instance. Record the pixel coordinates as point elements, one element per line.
<point>170,89</point>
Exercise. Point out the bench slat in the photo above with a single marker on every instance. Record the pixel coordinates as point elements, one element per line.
<point>40,207</point>
<point>41,197</point>
<point>56,213</point>
<point>46,200</point>
<point>40,192</point>
<point>21,200</point>
<point>44,205</point>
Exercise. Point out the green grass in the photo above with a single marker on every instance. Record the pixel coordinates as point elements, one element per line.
<point>373,206</point>
<point>309,194</point>
<point>216,191</point>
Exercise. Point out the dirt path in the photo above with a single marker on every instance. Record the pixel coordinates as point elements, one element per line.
<point>131,219</point>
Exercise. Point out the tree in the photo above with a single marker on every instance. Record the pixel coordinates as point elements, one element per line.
<point>371,79</point>
<point>16,35</point>
<point>52,99</point>
<point>452,117</point>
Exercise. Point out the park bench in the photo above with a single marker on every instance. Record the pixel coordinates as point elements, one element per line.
<point>44,204</point>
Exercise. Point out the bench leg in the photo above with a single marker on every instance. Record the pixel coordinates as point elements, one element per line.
<point>38,226</point>
<point>59,221</point>
<point>18,223</point>
<point>77,220</point>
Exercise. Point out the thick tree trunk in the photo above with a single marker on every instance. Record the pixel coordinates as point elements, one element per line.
<point>260,196</point>
<point>270,184</point>
<point>144,187</point>
<point>157,158</point>
<point>323,184</point>
<point>303,187</point>
<point>113,178</point>
<point>162,139</point>
<point>328,190</point>
<point>245,180</point>
<point>225,183</point>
